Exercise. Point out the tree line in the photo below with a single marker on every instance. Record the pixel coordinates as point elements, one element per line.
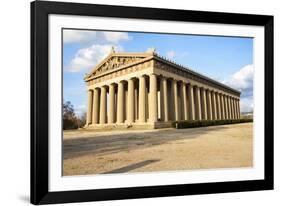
<point>70,119</point>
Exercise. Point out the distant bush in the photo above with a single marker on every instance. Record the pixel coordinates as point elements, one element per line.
<point>205,123</point>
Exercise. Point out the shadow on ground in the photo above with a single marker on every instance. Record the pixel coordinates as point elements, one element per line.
<point>102,144</point>
<point>132,166</point>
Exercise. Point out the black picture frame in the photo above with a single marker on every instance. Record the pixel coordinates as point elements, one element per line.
<point>40,108</point>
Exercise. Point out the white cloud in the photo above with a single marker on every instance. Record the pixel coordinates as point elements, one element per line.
<point>86,58</point>
<point>242,81</point>
<point>171,54</point>
<point>151,49</point>
<point>115,36</point>
<point>85,36</point>
<point>246,104</point>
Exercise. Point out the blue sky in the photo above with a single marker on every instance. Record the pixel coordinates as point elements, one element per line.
<point>225,59</point>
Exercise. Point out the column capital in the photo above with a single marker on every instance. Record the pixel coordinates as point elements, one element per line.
<point>174,80</point>
<point>131,79</point>
<point>121,81</point>
<point>163,77</point>
<point>152,74</point>
<point>96,89</point>
<point>104,86</point>
<point>141,76</point>
<point>112,84</point>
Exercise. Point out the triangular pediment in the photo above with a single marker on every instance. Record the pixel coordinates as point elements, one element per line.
<point>116,60</point>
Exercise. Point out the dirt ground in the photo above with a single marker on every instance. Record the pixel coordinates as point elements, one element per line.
<point>94,152</point>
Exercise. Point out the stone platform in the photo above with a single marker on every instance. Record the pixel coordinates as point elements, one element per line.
<point>146,125</point>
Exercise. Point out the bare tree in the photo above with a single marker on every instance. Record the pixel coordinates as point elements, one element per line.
<point>69,117</point>
<point>82,120</point>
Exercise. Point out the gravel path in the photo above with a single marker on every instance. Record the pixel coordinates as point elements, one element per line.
<point>93,152</point>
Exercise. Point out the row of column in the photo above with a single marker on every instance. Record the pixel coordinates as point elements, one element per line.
<point>156,98</point>
<point>190,102</point>
<point>128,104</point>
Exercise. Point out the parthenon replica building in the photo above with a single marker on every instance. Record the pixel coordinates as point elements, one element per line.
<point>145,90</point>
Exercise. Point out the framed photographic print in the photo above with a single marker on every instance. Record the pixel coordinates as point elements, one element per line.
<point>131,102</point>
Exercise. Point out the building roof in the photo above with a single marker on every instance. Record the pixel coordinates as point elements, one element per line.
<point>109,63</point>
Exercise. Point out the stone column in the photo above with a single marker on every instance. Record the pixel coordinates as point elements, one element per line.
<point>111,112</point>
<point>222,107</point>
<point>175,97</point>
<point>136,104</point>
<point>209,105</point>
<point>180,101</point>
<point>227,115</point>
<point>233,107</point>
<point>142,85</point>
<point>103,105</point>
<point>120,102</point>
<point>184,102</point>
<point>190,95</point>
<point>204,104</point>
<point>96,106</point>
<point>171,101</point>
<point>131,102</point>
<point>218,106</point>
<point>153,109</point>
<point>90,107</point>
<point>164,99</point>
<point>214,105</point>
<point>230,108</point>
<point>238,106</point>
<point>147,102</point>
<point>237,109</point>
<point>197,103</point>
<point>161,102</point>
<point>226,107</point>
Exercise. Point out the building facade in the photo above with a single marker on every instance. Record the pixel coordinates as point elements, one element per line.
<point>148,91</point>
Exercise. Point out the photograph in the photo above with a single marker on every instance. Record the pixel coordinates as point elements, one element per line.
<point>144,102</point>
<point>135,102</point>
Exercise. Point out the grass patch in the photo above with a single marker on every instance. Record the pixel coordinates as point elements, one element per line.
<point>204,123</point>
